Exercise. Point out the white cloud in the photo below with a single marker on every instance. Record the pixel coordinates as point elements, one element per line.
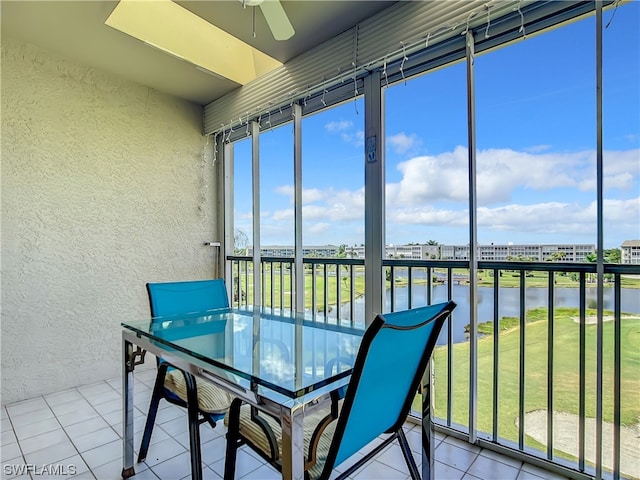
<point>309,195</point>
<point>621,216</point>
<point>354,138</point>
<point>402,143</point>
<point>444,177</point>
<point>286,190</point>
<point>285,214</point>
<point>433,192</point>
<point>429,216</point>
<point>537,148</point>
<point>338,126</point>
<point>625,212</point>
<point>622,181</point>
<point>339,206</point>
<point>346,131</point>
<point>317,228</point>
<point>342,206</point>
<point>558,217</point>
<point>548,217</point>
<point>276,234</point>
<point>621,169</point>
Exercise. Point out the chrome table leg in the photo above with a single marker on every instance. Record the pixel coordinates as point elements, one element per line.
<point>128,361</point>
<point>293,444</point>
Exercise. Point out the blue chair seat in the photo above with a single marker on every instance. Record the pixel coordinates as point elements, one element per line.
<point>389,367</point>
<point>172,384</point>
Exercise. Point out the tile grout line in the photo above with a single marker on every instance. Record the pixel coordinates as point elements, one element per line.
<point>14,434</point>
<point>67,435</point>
<point>471,449</point>
<point>99,414</point>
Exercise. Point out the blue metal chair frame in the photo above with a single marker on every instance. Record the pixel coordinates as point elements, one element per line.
<point>174,298</point>
<point>389,367</point>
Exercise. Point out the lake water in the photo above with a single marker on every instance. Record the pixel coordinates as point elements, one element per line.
<point>509,299</point>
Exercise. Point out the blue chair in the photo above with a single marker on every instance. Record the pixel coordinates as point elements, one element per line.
<point>391,361</point>
<point>174,385</point>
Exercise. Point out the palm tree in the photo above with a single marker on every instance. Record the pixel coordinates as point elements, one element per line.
<point>557,256</point>
<point>240,242</point>
<point>613,255</point>
<point>591,258</point>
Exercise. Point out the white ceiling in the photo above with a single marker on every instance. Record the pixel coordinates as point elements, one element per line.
<point>77,30</point>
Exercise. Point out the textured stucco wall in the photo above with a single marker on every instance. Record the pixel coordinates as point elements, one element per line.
<point>106,185</point>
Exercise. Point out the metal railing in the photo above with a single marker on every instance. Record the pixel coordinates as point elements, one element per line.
<point>330,283</point>
<point>536,358</point>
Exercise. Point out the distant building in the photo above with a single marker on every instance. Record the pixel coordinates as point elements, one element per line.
<point>406,252</point>
<point>321,251</point>
<point>535,253</point>
<point>497,253</point>
<point>631,252</point>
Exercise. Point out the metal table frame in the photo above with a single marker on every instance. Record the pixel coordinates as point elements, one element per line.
<point>290,411</point>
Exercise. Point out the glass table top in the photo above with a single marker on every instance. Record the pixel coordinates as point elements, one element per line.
<point>291,355</point>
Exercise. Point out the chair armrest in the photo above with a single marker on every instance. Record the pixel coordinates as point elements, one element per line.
<point>271,438</point>
<point>233,422</point>
<point>320,428</point>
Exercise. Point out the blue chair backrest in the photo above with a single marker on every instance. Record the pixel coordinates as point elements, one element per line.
<point>391,360</point>
<point>174,298</point>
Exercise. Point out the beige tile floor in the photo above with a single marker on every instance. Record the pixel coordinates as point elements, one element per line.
<point>79,430</point>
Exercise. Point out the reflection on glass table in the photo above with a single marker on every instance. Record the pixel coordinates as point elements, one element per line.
<point>285,365</point>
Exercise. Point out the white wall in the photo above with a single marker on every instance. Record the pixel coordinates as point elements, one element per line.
<point>105,186</point>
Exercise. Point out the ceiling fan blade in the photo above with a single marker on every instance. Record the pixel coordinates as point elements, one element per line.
<point>277,19</point>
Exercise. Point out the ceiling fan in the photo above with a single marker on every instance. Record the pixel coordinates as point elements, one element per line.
<point>275,16</point>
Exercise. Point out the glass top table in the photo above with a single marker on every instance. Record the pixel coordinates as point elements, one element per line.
<point>278,362</point>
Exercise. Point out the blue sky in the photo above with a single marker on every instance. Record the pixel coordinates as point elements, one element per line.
<point>535,112</point>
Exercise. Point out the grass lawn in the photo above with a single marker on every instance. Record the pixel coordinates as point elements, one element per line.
<point>565,372</point>
<point>332,291</point>
<point>541,279</point>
